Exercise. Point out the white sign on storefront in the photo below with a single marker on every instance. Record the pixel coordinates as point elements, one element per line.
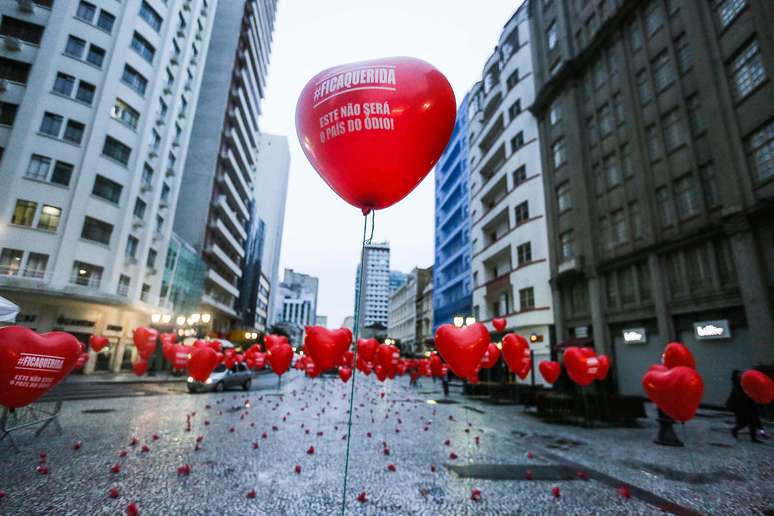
<point>635,336</point>
<point>706,330</point>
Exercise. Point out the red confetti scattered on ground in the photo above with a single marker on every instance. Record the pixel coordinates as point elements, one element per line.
<point>582,475</point>
<point>362,497</point>
<point>123,453</point>
<point>433,468</point>
<point>529,455</point>
<point>113,492</point>
<point>43,470</point>
<point>447,442</point>
<point>475,495</point>
<point>556,492</point>
<point>2,494</point>
<point>529,474</point>
<point>155,437</point>
<point>452,455</point>
<point>134,442</point>
<point>624,491</point>
<point>310,451</point>
<point>251,493</point>
<point>115,468</point>
<point>386,451</point>
<point>132,509</point>
<point>77,446</point>
<point>255,445</point>
<point>145,448</point>
<point>185,469</point>
<point>297,469</point>
<point>391,467</point>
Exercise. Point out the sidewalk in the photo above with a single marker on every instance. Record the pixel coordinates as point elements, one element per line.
<point>125,377</point>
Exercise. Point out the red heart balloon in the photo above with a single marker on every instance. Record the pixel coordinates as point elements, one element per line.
<point>526,366</point>
<point>758,386</point>
<point>603,367</point>
<point>676,391</point>
<point>145,341</point>
<point>676,354</point>
<point>363,366</point>
<point>366,349</point>
<point>490,357</point>
<point>473,379</point>
<point>581,368</point>
<point>140,367</point>
<point>81,361</point>
<point>168,351</point>
<point>98,343</point>
<point>326,346</point>
<point>462,348</point>
<point>215,345</point>
<point>312,369</point>
<point>180,356</point>
<point>550,370</point>
<point>514,348</point>
<point>31,364</point>
<point>270,340</point>
<point>374,129</point>
<point>499,324</point>
<point>259,360</point>
<point>436,365</point>
<point>168,337</point>
<point>347,359</point>
<point>345,373</point>
<point>280,356</point>
<point>381,373</point>
<point>202,362</point>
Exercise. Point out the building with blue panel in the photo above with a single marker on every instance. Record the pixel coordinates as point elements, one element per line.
<point>452,289</point>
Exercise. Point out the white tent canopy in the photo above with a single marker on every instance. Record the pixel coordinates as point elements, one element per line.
<point>8,311</point>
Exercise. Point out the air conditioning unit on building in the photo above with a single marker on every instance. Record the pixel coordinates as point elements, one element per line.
<point>167,90</point>
<point>163,205</point>
<point>25,6</point>
<point>12,43</point>
<point>187,7</point>
<point>199,36</point>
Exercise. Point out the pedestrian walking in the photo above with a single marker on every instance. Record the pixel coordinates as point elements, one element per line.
<point>744,408</point>
<point>445,381</point>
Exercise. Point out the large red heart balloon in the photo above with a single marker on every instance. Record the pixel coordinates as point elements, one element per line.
<point>758,386</point>
<point>270,340</point>
<point>435,364</point>
<point>168,351</point>
<point>180,356</point>
<point>676,354</point>
<point>374,129</point>
<point>280,356</point>
<point>366,349</point>
<point>202,362</point>
<point>514,348</point>
<point>145,341</point>
<point>98,343</point>
<point>490,357</point>
<point>381,373</point>
<point>525,367</point>
<point>140,367</point>
<point>581,365</point>
<point>550,370</point>
<point>345,373</point>
<point>31,364</point>
<point>326,346</point>
<point>499,324</point>
<point>462,348</point>
<point>168,337</point>
<point>603,366</point>
<point>676,391</point>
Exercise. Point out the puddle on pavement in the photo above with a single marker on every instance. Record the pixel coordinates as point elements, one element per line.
<point>710,477</point>
<point>98,411</point>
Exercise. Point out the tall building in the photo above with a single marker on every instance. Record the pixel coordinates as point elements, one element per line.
<point>397,279</point>
<point>404,308</point>
<point>220,214</point>
<point>452,275</point>
<point>657,127</point>
<point>296,304</point>
<point>261,262</point>
<point>96,100</point>
<point>425,332</point>
<point>507,208</point>
<point>322,320</point>
<point>375,298</point>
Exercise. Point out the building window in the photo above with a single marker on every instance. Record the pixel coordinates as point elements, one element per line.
<point>159,223</point>
<point>653,18</point>
<point>709,183</point>
<point>75,47</point>
<point>62,173</point>
<point>725,261</point>
<point>552,36</point>
<point>147,176</point>
<point>14,71</point>
<point>726,10</point>
<point>134,80</point>
<point>10,261</point>
<point>145,293</point>
<point>517,142</point>
<point>106,189</point>
<point>116,150</point>
<point>746,70</point>
<point>49,218</point>
<point>123,285</point>
<point>139,208</point>
<point>520,175</point>
<point>8,113</point>
<point>598,73</point>
<point>566,246</point>
<point>651,137</point>
<point>643,86</point>
<point>686,197</point>
<point>165,191</point>
<point>515,109</point>
<point>636,216</point>
<point>36,266</point>
<point>64,84</point>
<point>86,11</point>
<point>86,274</point>
<point>95,56</point>
<point>612,171</point>
<point>618,229</point>
<point>555,113</point>
<point>85,92</point>
<point>125,113</point>
<point>522,213</point>
<point>695,118</point>
<point>106,21</point>
<point>663,73</point>
<point>524,253</point>
<point>24,212</point>
<point>559,153</point>
<point>605,119</point>
<point>131,247</point>
<point>73,132</point>
<point>150,262</point>
<point>674,131</point>
<point>38,168</point>
<point>52,124</point>
<point>150,16</point>
<point>143,47</point>
<point>618,109</point>
<point>665,207</point>
<point>563,198</point>
<point>760,151</point>
<point>683,52</point>
<point>513,79</point>
<point>635,37</point>
<point>97,231</point>
<point>626,161</point>
<point>526,298</point>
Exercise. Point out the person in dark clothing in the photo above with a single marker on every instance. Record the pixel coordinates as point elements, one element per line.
<point>744,409</point>
<point>445,381</point>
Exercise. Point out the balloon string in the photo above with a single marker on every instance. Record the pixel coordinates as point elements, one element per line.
<point>356,334</point>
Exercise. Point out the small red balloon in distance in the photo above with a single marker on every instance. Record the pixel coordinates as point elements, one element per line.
<point>462,348</point>
<point>325,347</point>
<point>677,354</point>
<point>374,129</point>
<point>556,492</point>
<point>362,497</point>
<point>550,370</point>
<point>675,391</point>
<point>98,342</point>
<point>345,373</point>
<point>77,445</point>
<point>280,356</point>
<point>251,493</point>
<point>18,347</point>
<point>145,448</point>
<point>475,495</point>
<point>81,361</point>
<point>499,324</point>
<point>140,367</point>
<point>145,341</point>
<point>2,494</point>
<point>491,356</point>
<point>758,386</point>
<point>580,366</point>
<point>514,348</point>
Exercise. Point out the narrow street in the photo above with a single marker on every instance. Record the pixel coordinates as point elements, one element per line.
<point>440,450</point>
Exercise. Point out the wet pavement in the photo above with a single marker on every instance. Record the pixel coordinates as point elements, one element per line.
<point>411,453</point>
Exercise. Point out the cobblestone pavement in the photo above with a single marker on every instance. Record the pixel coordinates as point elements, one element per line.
<point>243,450</point>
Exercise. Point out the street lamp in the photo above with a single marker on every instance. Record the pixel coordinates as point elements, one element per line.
<point>180,320</point>
<point>459,321</point>
<point>206,318</point>
<point>469,321</point>
<point>196,317</point>
<point>166,318</point>
<point>155,318</point>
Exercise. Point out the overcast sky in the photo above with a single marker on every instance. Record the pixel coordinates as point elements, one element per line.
<point>322,232</point>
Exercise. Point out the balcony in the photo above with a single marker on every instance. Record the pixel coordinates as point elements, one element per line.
<point>231,218</point>
<point>221,282</point>
<point>225,178</point>
<point>17,49</point>
<point>492,163</point>
<point>228,237</point>
<point>215,250</point>
<point>239,172</point>
<point>217,303</point>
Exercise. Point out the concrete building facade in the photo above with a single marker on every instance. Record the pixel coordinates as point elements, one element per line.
<point>96,100</point>
<point>508,229</point>
<point>375,297</point>
<point>404,310</point>
<point>657,130</point>
<point>296,304</point>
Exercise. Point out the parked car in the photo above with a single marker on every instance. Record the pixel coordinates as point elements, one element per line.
<point>223,378</point>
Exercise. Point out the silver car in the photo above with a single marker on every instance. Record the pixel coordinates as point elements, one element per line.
<point>223,378</point>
